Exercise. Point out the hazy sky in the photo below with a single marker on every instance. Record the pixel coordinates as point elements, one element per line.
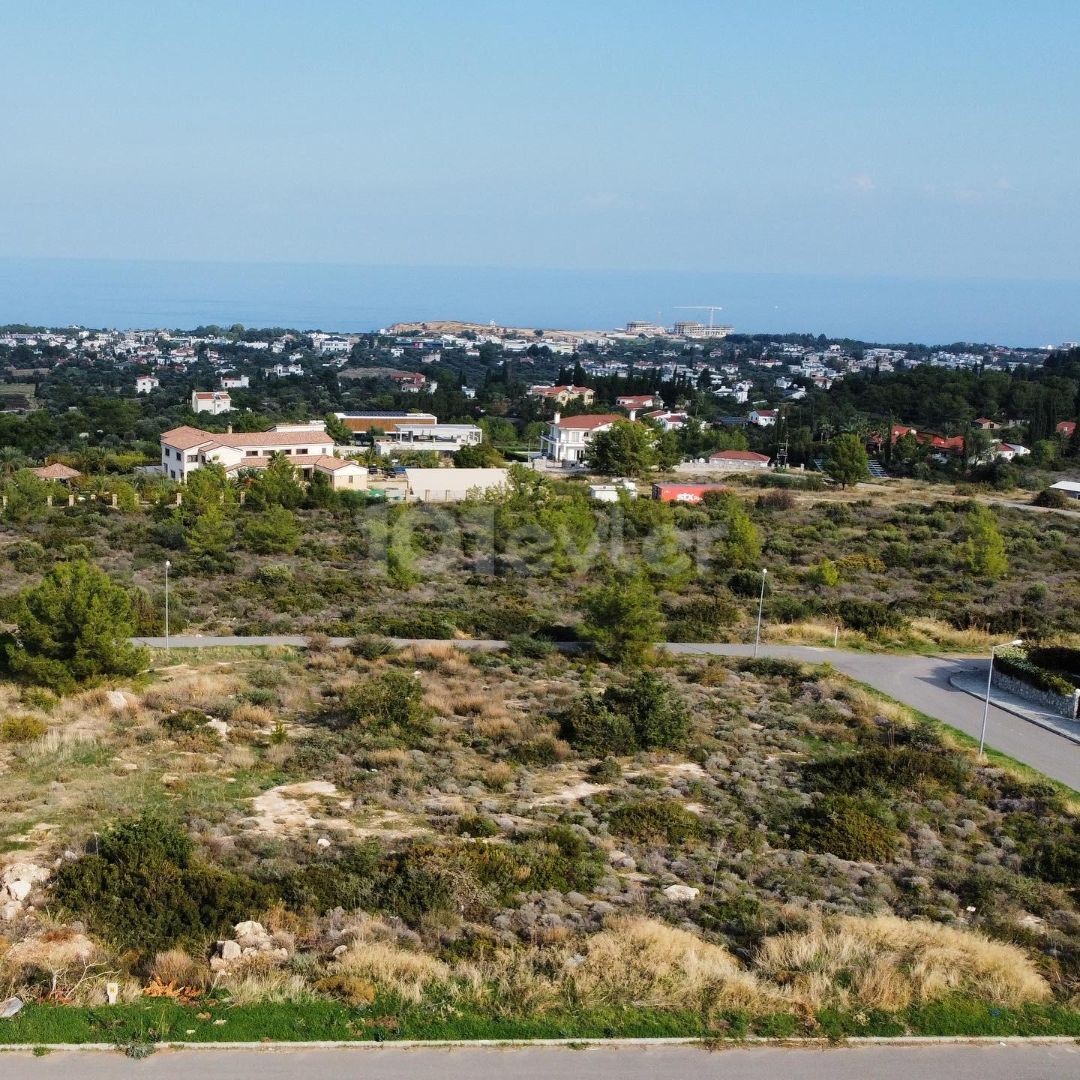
<point>931,139</point>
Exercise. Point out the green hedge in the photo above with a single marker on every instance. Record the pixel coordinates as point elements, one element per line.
<point>1021,666</point>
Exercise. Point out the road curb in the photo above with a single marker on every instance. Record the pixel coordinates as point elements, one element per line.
<point>1067,735</point>
<point>718,1043</point>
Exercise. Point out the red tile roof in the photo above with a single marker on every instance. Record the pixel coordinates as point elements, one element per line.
<point>589,421</point>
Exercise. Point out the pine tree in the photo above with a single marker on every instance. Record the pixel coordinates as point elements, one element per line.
<point>74,627</point>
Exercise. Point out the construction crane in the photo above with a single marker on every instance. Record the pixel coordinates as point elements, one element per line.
<point>710,308</point>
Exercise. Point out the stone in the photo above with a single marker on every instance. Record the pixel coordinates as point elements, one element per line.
<point>24,871</point>
<point>10,910</point>
<point>340,951</point>
<point>681,893</point>
<point>112,992</point>
<point>322,842</point>
<point>118,701</point>
<point>19,890</point>
<point>229,950</point>
<point>10,1007</point>
<point>219,726</point>
<point>251,934</point>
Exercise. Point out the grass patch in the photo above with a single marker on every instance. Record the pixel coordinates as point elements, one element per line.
<point>151,1022</point>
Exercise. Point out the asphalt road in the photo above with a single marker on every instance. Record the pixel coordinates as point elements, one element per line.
<point>957,1062</point>
<point>921,682</point>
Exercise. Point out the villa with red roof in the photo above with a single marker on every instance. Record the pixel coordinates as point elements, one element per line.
<point>567,441</point>
<point>307,447</point>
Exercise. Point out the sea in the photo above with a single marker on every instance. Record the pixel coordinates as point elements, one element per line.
<point>132,294</point>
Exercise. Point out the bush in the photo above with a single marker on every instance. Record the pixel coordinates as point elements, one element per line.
<point>748,583</point>
<point>1054,500</point>
<point>886,771</point>
<point>702,619</point>
<point>144,890</point>
<point>870,617</point>
<point>646,714</point>
<point>776,500</point>
<point>27,556</point>
<point>371,647</point>
<point>22,728</point>
<point>845,827</point>
<point>654,820</point>
<point>392,700</point>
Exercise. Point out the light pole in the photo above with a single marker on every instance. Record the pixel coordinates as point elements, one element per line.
<point>760,606</point>
<point>989,682</point>
<point>168,566</point>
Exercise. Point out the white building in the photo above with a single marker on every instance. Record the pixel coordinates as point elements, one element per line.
<point>145,383</point>
<point>214,402</point>
<point>609,493</point>
<point>185,449</point>
<point>763,417</point>
<point>444,438</point>
<point>235,382</point>
<point>568,440</point>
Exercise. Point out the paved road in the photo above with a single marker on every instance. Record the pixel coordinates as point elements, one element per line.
<point>997,1062</point>
<point>919,681</point>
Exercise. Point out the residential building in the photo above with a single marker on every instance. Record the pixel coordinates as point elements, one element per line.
<point>610,493</point>
<point>985,423</point>
<point>668,420</point>
<point>763,417</point>
<point>739,459</point>
<point>634,403</point>
<point>563,395</point>
<point>444,438</point>
<point>235,382</point>
<point>1009,451</point>
<point>185,449</point>
<point>696,331</point>
<point>214,402</point>
<point>1066,428</point>
<point>383,422</point>
<point>281,371</point>
<point>145,383</point>
<point>568,440</point>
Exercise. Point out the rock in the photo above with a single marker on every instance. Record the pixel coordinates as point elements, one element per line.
<point>219,726</point>
<point>19,890</point>
<point>24,871</point>
<point>602,908</point>
<point>118,701</point>
<point>322,842</point>
<point>229,950</point>
<point>10,910</point>
<point>251,934</point>
<point>340,950</point>
<point>10,1007</point>
<point>681,892</point>
<point>112,992</point>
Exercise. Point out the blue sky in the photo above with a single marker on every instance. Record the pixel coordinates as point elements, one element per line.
<point>916,139</point>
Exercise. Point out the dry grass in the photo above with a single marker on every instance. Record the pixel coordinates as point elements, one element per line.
<point>888,963</point>
<point>393,970</point>
<point>642,962</point>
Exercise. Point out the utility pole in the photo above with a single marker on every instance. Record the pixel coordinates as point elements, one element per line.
<point>168,566</point>
<point>761,605</point>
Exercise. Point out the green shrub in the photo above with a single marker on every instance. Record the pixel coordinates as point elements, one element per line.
<point>1054,500</point>
<point>869,616</point>
<point>654,820</point>
<point>27,556</point>
<point>1021,665</point>
<point>886,771</point>
<point>183,722</point>
<point>22,728</point>
<point>702,619</point>
<point>391,700</point>
<point>371,646</point>
<point>748,583</point>
<point>646,714</point>
<point>144,890</point>
<point>846,827</point>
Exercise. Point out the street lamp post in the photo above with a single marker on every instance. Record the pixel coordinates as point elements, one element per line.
<point>168,566</point>
<point>989,682</point>
<point>761,605</point>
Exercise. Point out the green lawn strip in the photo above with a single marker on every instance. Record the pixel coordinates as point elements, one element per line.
<point>153,1021</point>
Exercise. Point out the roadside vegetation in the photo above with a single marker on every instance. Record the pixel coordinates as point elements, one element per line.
<point>428,843</point>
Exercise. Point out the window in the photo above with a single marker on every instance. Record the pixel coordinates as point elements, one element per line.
<point>302,450</point>
<point>193,457</point>
<point>253,453</point>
